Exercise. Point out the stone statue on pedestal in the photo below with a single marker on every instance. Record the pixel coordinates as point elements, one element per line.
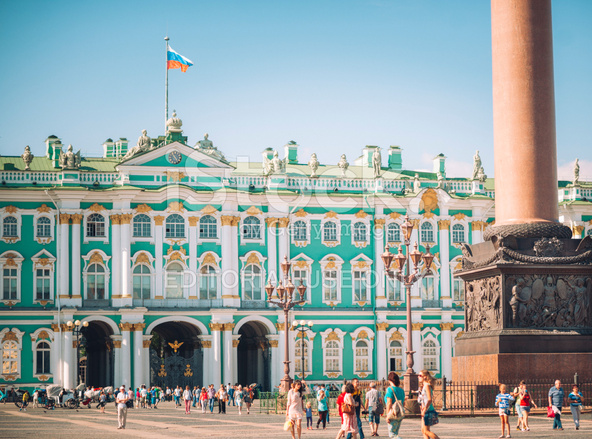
<point>27,158</point>
<point>69,160</point>
<point>376,162</point>
<point>313,164</point>
<point>343,165</point>
<point>576,171</point>
<point>144,144</point>
<point>476,166</point>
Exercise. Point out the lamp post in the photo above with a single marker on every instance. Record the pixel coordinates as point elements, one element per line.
<point>77,328</point>
<point>398,267</point>
<point>302,324</point>
<point>285,299</point>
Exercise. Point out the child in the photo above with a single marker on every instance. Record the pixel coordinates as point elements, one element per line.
<point>503,401</point>
<point>308,416</point>
<point>575,404</point>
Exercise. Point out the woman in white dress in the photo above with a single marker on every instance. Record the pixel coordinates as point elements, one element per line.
<point>295,408</point>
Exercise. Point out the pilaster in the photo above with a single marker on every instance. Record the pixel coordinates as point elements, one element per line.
<point>158,257</point>
<point>276,375</point>
<point>193,222</point>
<point>117,360</point>
<point>64,258</point>
<point>125,220</point>
<point>444,231</point>
<point>216,354</point>
<point>284,239</point>
<point>125,357</point>
<point>75,251</point>
<point>417,346</point>
<point>116,263</point>
<point>381,300</point>
<point>146,340</point>
<point>272,259</point>
<point>139,353</point>
<point>208,367</point>
<point>382,350</point>
<point>229,357</point>
<point>446,356</point>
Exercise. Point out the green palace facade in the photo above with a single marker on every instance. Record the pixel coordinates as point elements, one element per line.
<point>161,253</point>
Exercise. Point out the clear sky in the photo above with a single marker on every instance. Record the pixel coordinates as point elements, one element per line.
<point>332,75</point>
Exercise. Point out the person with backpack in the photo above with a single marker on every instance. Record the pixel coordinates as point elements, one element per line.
<point>374,407</point>
<point>394,401</point>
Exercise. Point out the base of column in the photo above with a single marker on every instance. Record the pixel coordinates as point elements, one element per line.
<point>528,230</point>
<point>411,384</point>
<point>72,301</point>
<point>286,384</point>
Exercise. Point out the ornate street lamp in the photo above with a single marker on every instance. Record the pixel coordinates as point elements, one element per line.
<point>398,267</point>
<point>302,328</point>
<point>285,300</point>
<point>77,328</point>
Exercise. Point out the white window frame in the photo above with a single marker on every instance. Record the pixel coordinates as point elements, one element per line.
<point>149,275</point>
<point>331,262</point>
<point>50,261</point>
<point>216,276</point>
<point>45,239</point>
<point>462,283</point>
<point>463,238</point>
<point>302,258</point>
<point>19,347</point>
<point>185,228</point>
<point>366,238</point>
<point>388,226</point>
<point>148,238</point>
<point>262,229</point>
<point>19,223</point>
<point>402,293</point>
<point>361,264</point>
<point>325,335</point>
<point>400,357</point>
<point>87,264</point>
<point>165,277</point>
<point>300,242</point>
<point>337,222</point>
<point>309,339</point>
<point>17,259</point>
<point>431,334</point>
<point>369,340</point>
<point>35,340</point>
<point>434,231</point>
<point>247,260</point>
<point>218,228</point>
<point>107,223</point>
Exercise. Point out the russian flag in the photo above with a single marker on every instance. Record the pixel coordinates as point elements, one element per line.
<point>176,61</point>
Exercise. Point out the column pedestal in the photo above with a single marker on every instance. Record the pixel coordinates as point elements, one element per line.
<point>139,353</point>
<point>117,361</point>
<point>125,354</point>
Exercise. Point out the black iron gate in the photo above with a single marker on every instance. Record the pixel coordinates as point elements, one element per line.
<point>173,369</point>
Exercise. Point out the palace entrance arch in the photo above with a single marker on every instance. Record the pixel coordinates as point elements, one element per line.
<point>176,356</point>
<point>254,355</point>
<point>97,358</point>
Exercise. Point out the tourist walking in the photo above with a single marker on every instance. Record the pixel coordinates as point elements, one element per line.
<point>239,398</point>
<point>211,397</point>
<point>102,401</point>
<point>203,398</point>
<point>309,416</point>
<point>121,401</point>
<point>394,396</point>
<point>556,396</point>
<point>575,405</point>
<point>357,395</point>
<point>177,396</point>
<point>187,399</point>
<point>322,407</point>
<point>349,423</point>
<point>370,405</point>
<point>231,395</point>
<point>222,398</point>
<point>429,416</point>
<point>295,408</point>
<point>248,398</point>
<point>503,401</point>
<point>524,401</point>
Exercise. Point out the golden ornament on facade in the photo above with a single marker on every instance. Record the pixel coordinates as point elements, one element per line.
<point>271,222</point>
<point>146,343</point>
<point>577,230</point>
<point>64,218</point>
<point>143,258</point>
<point>55,327</point>
<point>273,343</point>
<point>42,262</point>
<point>283,222</point>
<point>138,327</point>
<point>253,211</point>
<point>176,176</point>
<point>96,207</point>
<point>235,221</point>
<point>446,326</point>
<point>76,218</point>
<point>394,215</point>
<point>126,218</point>
<point>162,372</point>
<point>96,257</point>
<point>428,215</point>
<point>206,344</point>
<point>176,206</point>
<point>361,214</point>
<point>209,210</point>
<point>235,343</point>
<point>226,220</point>
<point>143,208</point>
<point>44,208</point>
<point>363,374</point>
<point>158,220</point>
<point>228,326</point>
<point>382,326</point>
<point>10,209</point>
<point>459,334</point>
<point>362,334</point>
<point>216,326</point>
<point>361,264</point>
<point>176,345</point>
<point>43,378</point>
<point>126,326</point>
<point>188,372</point>
<point>331,214</point>
<point>115,219</point>
<point>459,216</point>
<point>176,256</point>
<point>10,336</point>
<point>253,259</point>
<point>209,259</point>
<point>193,220</point>
<point>429,200</point>
<point>416,326</point>
<point>117,343</point>
<point>415,222</point>
<point>301,213</point>
<point>444,224</point>
<point>332,374</point>
<point>301,264</point>
<point>379,223</point>
<point>43,335</point>
<point>396,336</point>
<point>333,336</point>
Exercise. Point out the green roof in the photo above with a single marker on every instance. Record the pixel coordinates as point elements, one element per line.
<point>43,164</point>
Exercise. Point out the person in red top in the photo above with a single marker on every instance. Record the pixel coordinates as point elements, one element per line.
<point>340,402</point>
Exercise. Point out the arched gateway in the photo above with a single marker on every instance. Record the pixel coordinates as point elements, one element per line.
<point>254,355</point>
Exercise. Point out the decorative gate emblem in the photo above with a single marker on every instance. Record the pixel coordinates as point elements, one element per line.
<point>188,372</point>
<point>176,345</point>
<point>162,371</point>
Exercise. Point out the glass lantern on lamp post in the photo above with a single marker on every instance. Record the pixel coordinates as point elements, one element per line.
<point>399,267</point>
<point>285,299</point>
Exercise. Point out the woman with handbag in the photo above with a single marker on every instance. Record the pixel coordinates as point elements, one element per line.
<point>349,422</point>
<point>429,416</point>
<point>394,401</point>
<point>295,408</point>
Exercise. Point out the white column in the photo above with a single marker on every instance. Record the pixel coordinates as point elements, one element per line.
<point>444,231</point>
<point>229,277</point>
<point>117,366</point>
<point>138,354</point>
<point>125,354</point>
<point>229,358</point>
<point>279,358</point>
<point>275,354</point>
<point>193,221</point>
<point>56,355</point>
<point>235,343</point>
<point>417,347</point>
<point>206,344</point>
<point>76,273</point>
<point>69,360</point>
<point>235,262</point>
<point>382,349</point>
<point>126,259</point>
<point>116,260</point>
<point>381,300</point>
<point>272,260</point>
<point>216,354</point>
<point>284,239</point>
<point>158,235</point>
<point>64,290</point>
<point>477,233</point>
<point>146,359</point>
<point>415,290</point>
<point>446,356</point>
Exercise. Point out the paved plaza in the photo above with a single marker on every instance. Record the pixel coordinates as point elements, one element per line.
<point>170,422</point>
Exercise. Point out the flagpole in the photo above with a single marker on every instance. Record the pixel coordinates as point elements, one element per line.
<point>166,86</point>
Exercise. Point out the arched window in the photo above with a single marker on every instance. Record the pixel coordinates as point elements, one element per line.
<point>359,232</point>
<point>142,226</point>
<point>332,357</point>
<point>208,283</point>
<point>393,233</point>
<point>427,232</point>
<point>42,284</point>
<point>589,232</point>
<point>141,282</point>
<point>208,227</point>
<point>430,355</point>
<point>10,357</point>
<point>300,231</point>
<point>95,282</point>
<point>252,282</point>
<point>9,283</point>
<point>174,281</point>
<point>95,226</point>
<point>251,228</point>
<point>458,233</point>
<point>396,356</point>
<point>42,360</point>
<point>175,226</point>
<point>301,352</point>
<point>362,355</point>
<point>9,227</point>
<point>43,227</point>
<point>330,231</point>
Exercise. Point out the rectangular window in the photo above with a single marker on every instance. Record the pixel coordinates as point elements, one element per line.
<point>208,287</point>
<point>253,288</point>
<point>301,275</point>
<point>141,286</point>
<point>427,291</point>
<point>330,285</point>
<point>394,290</point>
<point>459,290</point>
<point>42,365</point>
<point>42,284</point>
<point>360,286</point>
<point>9,284</point>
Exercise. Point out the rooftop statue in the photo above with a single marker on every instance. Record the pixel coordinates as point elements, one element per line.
<point>576,170</point>
<point>313,164</point>
<point>206,142</point>
<point>481,175</point>
<point>27,158</point>
<point>376,162</point>
<point>476,166</point>
<point>69,160</point>
<point>416,184</point>
<point>207,146</point>
<point>273,166</point>
<point>343,165</point>
<point>144,144</point>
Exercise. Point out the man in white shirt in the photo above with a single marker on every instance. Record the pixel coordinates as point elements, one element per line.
<point>143,393</point>
<point>121,401</point>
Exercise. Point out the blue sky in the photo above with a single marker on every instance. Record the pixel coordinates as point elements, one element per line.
<point>332,75</point>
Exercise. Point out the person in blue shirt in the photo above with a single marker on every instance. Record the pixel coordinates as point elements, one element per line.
<point>503,400</point>
<point>575,404</point>
<point>393,394</point>
<point>556,396</point>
